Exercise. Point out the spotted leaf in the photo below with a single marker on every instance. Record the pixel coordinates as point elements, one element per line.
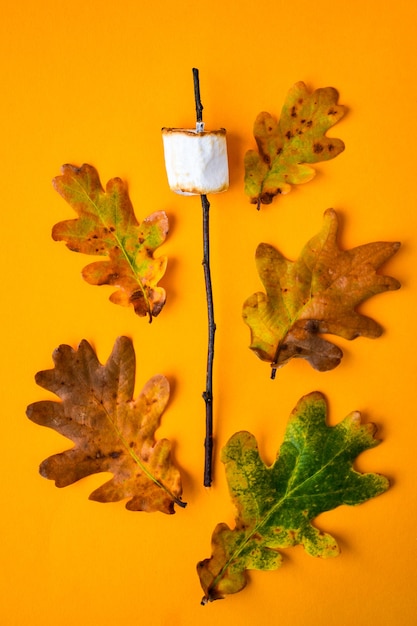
<point>276,504</point>
<point>111,431</point>
<point>287,147</point>
<point>314,295</point>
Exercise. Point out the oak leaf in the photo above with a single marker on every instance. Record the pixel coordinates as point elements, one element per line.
<point>276,504</point>
<point>107,226</point>
<point>285,147</point>
<point>316,294</point>
<point>111,431</point>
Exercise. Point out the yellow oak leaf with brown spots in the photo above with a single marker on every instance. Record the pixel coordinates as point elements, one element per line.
<point>286,147</point>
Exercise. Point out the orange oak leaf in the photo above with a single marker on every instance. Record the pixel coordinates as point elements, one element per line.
<point>111,431</point>
<point>107,226</point>
<point>287,146</point>
<point>316,294</point>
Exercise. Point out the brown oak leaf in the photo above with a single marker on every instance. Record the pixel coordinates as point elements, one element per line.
<point>111,431</point>
<point>316,294</point>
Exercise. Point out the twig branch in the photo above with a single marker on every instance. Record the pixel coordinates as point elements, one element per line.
<point>208,393</point>
<point>198,106</point>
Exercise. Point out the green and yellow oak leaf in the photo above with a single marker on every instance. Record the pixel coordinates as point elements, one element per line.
<point>107,226</point>
<point>316,294</point>
<point>287,146</point>
<point>111,431</point>
<point>276,504</point>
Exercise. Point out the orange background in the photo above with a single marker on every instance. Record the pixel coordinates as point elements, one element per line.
<point>86,81</point>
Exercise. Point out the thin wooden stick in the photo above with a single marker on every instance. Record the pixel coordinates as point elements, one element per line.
<point>198,105</point>
<point>208,392</point>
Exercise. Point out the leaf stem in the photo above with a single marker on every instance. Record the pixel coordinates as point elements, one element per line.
<point>208,392</point>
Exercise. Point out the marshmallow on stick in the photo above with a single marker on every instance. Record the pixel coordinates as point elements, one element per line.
<point>196,164</point>
<point>196,160</point>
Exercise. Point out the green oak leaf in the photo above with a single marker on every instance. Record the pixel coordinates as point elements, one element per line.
<point>107,226</point>
<point>285,147</point>
<point>316,294</point>
<point>313,473</point>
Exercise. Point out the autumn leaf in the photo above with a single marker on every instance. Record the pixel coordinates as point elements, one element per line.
<point>111,431</point>
<point>285,147</point>
<point>107,226</point>
<point>316,294</point>
<point>313,473</point>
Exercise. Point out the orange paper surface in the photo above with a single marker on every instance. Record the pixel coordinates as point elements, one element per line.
<point>95,82</point>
